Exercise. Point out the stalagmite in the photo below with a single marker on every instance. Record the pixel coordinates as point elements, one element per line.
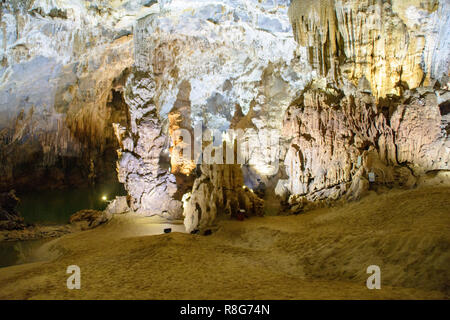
<point>219,189</point>
<point>354,95</point>
<point>338,140</point>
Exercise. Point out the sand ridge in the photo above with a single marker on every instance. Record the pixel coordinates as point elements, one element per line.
<point>322,254</point>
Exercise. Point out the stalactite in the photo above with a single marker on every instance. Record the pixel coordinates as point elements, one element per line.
<point>315,26</point>
<point>374,39</point>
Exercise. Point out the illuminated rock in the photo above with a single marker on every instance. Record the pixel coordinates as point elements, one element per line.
<point>399,140</point>
<point>89,219</point>
<point>376,120</point>
<point>180,119</point>
<point>220,64</point>
<point>62,64</point>
<point>118,205</point>
<point>364,89</point>
<point>151,187</point>
<point>219,189</point>
<point>393,44</point>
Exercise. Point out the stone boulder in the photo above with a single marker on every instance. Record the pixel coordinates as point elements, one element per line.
<point>89,219</point>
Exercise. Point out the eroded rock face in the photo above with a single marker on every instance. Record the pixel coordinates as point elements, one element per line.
<point>217,64</point>
<point>62,70</point>
<point>219,189</point>
<point>338,140</point>
<point>10,218</point>
<point>375,115</point>
<point>393,44</point>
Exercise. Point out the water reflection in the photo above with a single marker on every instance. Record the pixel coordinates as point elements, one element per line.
<point>56,206</point>
<point>18,252</point>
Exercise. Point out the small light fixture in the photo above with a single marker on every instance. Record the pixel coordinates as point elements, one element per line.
<point>104,198</point>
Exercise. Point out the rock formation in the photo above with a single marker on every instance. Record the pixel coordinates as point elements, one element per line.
<point>375,114</point>
<point>219,189</point>
<point>12,227</point>
<point>338,140</point>
<point>393,44</point>
<point>89,219</point>
<point>118,205</point>
<point>62,70</point>
<point>150,185</point>
<point>215,65</point>
<point>10,218</point>
<point>343,95</point>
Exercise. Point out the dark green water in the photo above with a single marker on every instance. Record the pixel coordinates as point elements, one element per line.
<point>18,252</point>
<point>56,206</point>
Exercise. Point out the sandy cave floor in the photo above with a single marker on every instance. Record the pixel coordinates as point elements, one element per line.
<point>322,254</point>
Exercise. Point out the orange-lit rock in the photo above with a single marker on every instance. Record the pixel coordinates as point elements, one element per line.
<point>219,190</point>
<point>179,118</point>
<point>393,44</point>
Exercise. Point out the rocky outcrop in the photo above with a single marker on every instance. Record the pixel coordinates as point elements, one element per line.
<point>149,184</point>
<point>343,144</point>
<point>375,114</point>
<point>10,218</point>
<point>118,205</point>
<point>214,65</point>
<point>89,219</point>
<point>393,44</point>
<point>79,221</point>
<point>219,189</point>
<point>63,64</point>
